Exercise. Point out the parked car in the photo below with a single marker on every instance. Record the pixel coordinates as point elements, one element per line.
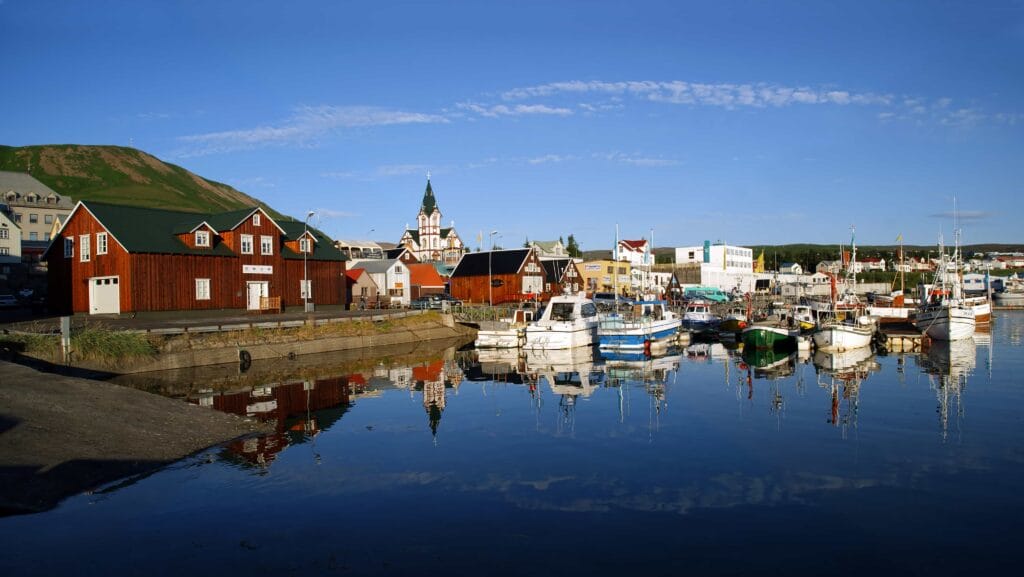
<point>434,301</point>
<point>26,293</point>
<point>607,300</point>
<point>8,301</point>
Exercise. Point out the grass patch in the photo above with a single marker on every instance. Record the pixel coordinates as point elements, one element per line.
<point>91,343</point>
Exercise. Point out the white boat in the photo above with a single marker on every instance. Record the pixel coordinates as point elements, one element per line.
<point>943,315</point>
<point>646,324</point>
<point>847,328</point>
<point>1009,298</point>
<point>697,316</point>
<point>505,333</point>
<point>839,336</point>
<point>568,321</point>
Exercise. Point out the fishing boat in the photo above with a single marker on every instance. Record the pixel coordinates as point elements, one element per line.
<point>648,323</point>
<point>848,327</point>
<point>804,317</point>
<point>569,321</point>
<point>770,337</point>
<point>734,321</point>
<point>697,316</point>
<point>1011,296</point>
<point>943,316</point>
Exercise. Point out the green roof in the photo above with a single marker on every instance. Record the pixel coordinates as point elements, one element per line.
<point>151,230</point>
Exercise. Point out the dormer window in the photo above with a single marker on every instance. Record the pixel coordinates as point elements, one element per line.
<point>203,238</point>
<point>256,219</point>
<point>304,244</point>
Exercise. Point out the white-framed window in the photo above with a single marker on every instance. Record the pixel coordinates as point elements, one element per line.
<point>304,244</point>
<point>246,244</point>
<point>256,219</point>
<point>202,238</point>
<point>4,251</point>
<point>101,243</point>
<point>4,233</point>
<point>48,218</point>
<point>266,244</point>
<point>84,250</point>
<point>33,235</point>
<point>398,269</point>
<point>202,289</point>
<point>305,289</point>
<point>69,247</point>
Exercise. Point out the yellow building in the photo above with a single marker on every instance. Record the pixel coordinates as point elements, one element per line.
<point>600,276</point>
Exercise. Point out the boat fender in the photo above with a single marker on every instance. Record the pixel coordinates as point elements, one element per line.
<point>244,360</point>
<point>647,348</point>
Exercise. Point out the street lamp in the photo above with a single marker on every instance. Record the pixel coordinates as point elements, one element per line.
<point>305,258</point>
<point>490,280</point>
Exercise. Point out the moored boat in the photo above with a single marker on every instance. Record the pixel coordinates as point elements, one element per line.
<point>568,321</point>
<point>646,324</point>
<point>697,316</point>
<point>769,337</point>
<point>943,315</point>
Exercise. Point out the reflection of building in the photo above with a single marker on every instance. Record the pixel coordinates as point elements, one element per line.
<point>434,378</point>
<point>289,407</point>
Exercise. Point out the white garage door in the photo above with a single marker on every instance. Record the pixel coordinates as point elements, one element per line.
<point>104,295</point>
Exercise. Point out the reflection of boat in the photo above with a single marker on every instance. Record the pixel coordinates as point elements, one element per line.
<point>951,362</point>
<point>646,322</point>
<point>841,362</point>
<point>568,321</point>
<point>500,361</point>
<point>770,364</point>
<point>567,371</point>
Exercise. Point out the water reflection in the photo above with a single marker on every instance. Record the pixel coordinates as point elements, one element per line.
<point>842,374</point>
<point>949,364</point>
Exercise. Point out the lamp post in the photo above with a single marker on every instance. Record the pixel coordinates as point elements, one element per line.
<point>305,258</point>
<point>490,280</point>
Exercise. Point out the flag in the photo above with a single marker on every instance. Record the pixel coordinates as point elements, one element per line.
<point>899,238</point>
<point>480,239</point>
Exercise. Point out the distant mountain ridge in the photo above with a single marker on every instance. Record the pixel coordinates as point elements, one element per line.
<point>121,175</point>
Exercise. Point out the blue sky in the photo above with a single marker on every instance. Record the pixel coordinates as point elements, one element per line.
<point>747,122</point>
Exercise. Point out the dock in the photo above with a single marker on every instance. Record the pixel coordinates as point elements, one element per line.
<point>902,337</point>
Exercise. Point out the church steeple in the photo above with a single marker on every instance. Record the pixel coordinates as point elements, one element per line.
<point>429,203</point>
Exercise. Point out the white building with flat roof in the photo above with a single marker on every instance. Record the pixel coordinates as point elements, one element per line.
<point>721,265</point>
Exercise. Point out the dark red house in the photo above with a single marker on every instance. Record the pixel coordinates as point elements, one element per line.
<point>111,259</point>
<point>499,276</point>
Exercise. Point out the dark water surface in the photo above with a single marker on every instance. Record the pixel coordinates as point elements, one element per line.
<point>456,463</point>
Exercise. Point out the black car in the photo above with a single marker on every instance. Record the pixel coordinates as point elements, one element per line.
<point>434,301</point>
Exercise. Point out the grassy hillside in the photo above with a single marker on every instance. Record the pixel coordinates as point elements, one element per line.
<point>122,175</point>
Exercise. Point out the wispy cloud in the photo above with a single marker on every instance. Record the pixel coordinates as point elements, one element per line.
<point>963,215</point>
<point>302,128</point>
<point>401,169</point>
<point>517,110</point>
<point>727,95</point>
<point>549,159</point>
<point>332,213</point>
<point>635,159</point>
<point>253,182</point>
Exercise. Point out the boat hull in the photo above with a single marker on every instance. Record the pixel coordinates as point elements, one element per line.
<point>765,338</point>
<point>555,337</point>
<point>625,335</point>
<point>946,323</point>
<point>838,337</point>
<point>1009,299</point>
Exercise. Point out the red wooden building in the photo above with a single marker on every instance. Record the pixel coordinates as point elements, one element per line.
<point>561,275</point>
<point>111,259</point>
<point>498,276</point>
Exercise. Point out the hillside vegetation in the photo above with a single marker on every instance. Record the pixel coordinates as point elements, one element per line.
<point>122,176</point>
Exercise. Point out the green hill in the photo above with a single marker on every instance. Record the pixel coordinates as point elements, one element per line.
<point>123,176</point>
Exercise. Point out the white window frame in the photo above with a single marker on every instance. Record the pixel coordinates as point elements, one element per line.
<point>5,233</point>
<point>202,289</point>
<point>256,219</point>
<point>84,248</point>
<point>306,289</point>
<point>266,244</point>
<point>203,238</point>
<point>101,243</point>
<point>69,248</point>
<point>304,244</point>
<point>4,251</point>
<point>246,242</point>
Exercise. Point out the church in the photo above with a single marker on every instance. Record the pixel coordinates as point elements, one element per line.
<point>429,242</point>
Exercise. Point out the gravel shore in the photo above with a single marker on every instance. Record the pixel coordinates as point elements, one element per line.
<point>60,436</point>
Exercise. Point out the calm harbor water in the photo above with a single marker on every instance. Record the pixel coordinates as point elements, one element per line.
<point>461,462</point>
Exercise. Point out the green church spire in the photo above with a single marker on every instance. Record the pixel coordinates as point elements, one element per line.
<point>429,204</point>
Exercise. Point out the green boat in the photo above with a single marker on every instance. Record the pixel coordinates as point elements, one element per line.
<point>762,337</point>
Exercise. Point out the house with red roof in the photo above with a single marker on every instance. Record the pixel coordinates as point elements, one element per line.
<point>634,251</point>
<point>362,289</point>
<point>424,280</point>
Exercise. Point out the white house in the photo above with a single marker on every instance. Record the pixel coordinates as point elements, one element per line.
<point>634,251</point>
<point>10,240</point>
<point>549,249</point>
<point>723,266</point>
<point>392,276</point>
<point>791,268</point>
